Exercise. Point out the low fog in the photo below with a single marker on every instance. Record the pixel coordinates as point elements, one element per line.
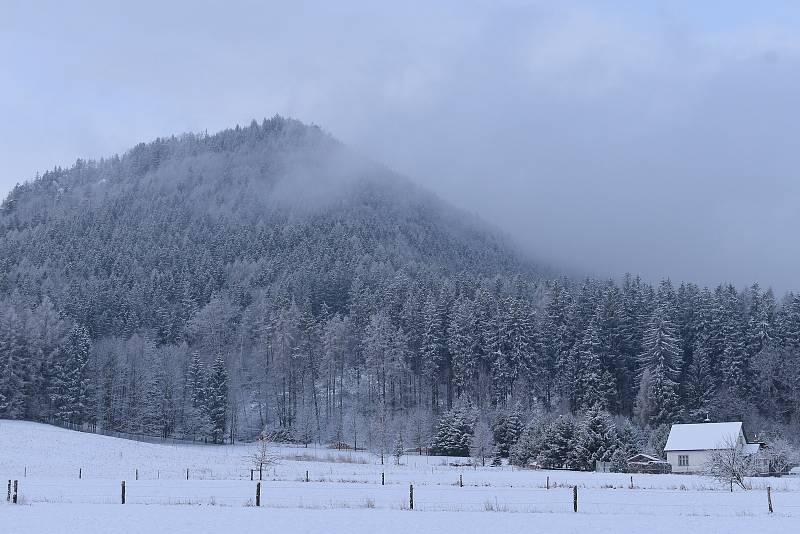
<point>604,137</point>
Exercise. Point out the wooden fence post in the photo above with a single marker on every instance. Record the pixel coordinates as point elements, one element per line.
<point>137,473</point>
<point>251,475</point>
<point>307,479</point>
<point>411,496</point>
<point>26,471</point>
<point>187,473</point>
<point>575,498</point>
<point>769,498</point>
<point>258,494</point>
<point>80,473</point>
<point>548,483</point>
<point>460,481</point>
<point>16,490</point>
<point>631,481</point>
<point>383,479</point>
<point>122,492</point>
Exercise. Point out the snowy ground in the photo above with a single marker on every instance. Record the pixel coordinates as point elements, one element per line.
<point>345,488</point>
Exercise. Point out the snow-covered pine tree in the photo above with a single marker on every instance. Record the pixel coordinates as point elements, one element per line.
<point>217,399</point>
<point>507,428</point>
<point>790,322</point>
<point>196,419</point>
<point>699,386</point>
<point>14,364</point>
<point>74,385</point>
<point>660,357</point>
<point>628,444</point>
<point>431,349</point>
<point>558,444</point>
<point>735,358</point>
<point>596,439</point>
<point>593,384</point>
<point>454,431</point>
<point>461,343</point>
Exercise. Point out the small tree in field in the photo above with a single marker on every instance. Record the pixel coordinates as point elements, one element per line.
<point>730,465</point>
<point>262,456</point>
<point>399,449</point>
<point>482,445</point>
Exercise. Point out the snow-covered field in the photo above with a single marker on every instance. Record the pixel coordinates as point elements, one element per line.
<point>344,489</point>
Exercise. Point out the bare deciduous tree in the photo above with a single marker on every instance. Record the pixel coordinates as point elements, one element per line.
<point>782,455</point>
<point>263,455</point>
<point>730,464</point>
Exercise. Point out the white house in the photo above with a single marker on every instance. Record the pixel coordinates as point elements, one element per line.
<point>689,447</point>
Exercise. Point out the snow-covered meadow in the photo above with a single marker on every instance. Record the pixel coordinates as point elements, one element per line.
<point>344,487</point>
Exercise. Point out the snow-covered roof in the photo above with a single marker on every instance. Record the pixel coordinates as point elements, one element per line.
<point>702,436</point>
<point>751,448</point>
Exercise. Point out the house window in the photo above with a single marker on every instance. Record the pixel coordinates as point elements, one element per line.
<point>683,460</point>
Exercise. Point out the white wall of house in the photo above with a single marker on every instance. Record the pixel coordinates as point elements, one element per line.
<point>697,461</point>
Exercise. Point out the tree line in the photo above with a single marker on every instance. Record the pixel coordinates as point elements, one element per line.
<point>194,287</point>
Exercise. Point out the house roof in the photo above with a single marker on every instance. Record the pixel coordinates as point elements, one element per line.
<point>751,448</point>
<point>702,436</point>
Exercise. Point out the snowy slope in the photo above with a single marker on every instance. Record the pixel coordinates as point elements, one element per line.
<point>345,488</point>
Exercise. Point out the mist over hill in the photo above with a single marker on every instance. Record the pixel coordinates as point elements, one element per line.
<point>267,277</point>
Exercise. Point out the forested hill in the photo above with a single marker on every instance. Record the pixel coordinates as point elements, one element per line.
<point>144,240</point>
<point>267,278</point>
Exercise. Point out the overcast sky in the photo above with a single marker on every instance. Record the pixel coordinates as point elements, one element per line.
<point>659,138</point>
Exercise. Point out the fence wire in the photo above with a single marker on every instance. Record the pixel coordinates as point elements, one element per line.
<point>431,497</point>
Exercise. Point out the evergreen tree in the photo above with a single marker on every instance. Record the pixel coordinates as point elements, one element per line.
<point>699,385</point>
<point>432,351</point>
<point>454,431</point>
<point>74,386</point>
<point>217,399</point>
<point>461,341</point>
<point>507,429</point>
<point>596,439</point>
<point>14,365</point>
<point>735,358</point>
<point>790,322</point>
<point>558,447</point>
<point>628,445</point>
<point>659,358</point>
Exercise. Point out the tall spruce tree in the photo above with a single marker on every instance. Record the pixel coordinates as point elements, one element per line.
<point>660,358</point>
<point>217,399</point>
